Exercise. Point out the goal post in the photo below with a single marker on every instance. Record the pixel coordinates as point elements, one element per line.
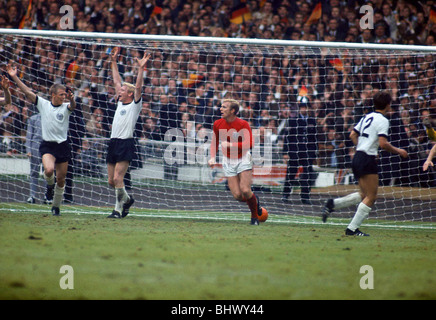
<point>186,79</point>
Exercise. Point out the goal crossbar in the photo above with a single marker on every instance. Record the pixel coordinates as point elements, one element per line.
<point>221,40</point>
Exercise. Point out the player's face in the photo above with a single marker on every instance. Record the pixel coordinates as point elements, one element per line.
<point>125,96</point>
<point>59,97</point>
<point>226,112</point>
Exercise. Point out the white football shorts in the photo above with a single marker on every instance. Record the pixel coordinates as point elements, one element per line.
<point>233,167</point>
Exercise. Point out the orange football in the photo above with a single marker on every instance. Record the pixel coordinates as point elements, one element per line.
<point>263,216</point>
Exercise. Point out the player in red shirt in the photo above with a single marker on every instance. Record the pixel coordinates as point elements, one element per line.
<point>236,143</point>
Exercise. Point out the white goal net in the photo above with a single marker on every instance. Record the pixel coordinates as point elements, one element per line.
<point>185,81</point>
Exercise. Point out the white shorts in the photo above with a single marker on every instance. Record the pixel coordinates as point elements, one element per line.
<point>233,167</point>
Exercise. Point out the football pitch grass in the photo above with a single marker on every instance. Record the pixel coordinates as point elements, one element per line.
<point>163,258</point>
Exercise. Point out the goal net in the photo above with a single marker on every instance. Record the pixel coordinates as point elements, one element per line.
<point>186,79</point>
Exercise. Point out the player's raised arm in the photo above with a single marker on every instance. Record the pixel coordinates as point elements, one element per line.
<point>429,161</point>
<point>12,71</point>
<point>5,86</point>
<point>140,78</point>
<point>114,67</point>
<point>70,96</point>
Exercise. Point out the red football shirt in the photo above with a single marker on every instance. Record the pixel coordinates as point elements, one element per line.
<point>237,132</point>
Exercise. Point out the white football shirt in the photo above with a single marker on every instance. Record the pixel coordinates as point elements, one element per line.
<point>125,119</point>
<point>370,128</point>
<point>54,120</point>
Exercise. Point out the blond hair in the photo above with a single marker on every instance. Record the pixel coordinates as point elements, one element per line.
<point>54,88</point>
<point>234,104</point>
<point>130,87</point>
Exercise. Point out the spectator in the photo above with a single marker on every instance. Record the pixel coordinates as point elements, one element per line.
<point>5,116</point>
<point>76,132</point>
<point>33,140</point>
<point>87,160</point>
<point>300,148</point>
<point>335,31</point>
<point>366,36</point>
<point>419,148</point>
<point>428,124</point>
<point>95,129</point>
<point>327,150</point>
<point>151,134</point>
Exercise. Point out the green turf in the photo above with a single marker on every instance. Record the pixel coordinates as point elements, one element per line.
<point>141,257</point>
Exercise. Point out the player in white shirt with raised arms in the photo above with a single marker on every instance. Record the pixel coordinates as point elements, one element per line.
<point>368,135</point>
<point>121,146</point>
<point>54,149</point>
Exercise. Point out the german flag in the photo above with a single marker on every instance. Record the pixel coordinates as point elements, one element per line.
<point>70,73</point>
<point>316,14</point>
<point>192,80</point>
<point>303,91</point>
<point>337,64</point>
<point>432,17</point>
<point>156,10</point>
<point>240,12</point>
<point>262,3</point>
<point>27,16</point>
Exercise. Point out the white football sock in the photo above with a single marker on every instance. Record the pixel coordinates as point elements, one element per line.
<point>361,214</point>
<point>121,197</point>
<point>348,200</point>
<point>50,180</point>
<point>58,194</point>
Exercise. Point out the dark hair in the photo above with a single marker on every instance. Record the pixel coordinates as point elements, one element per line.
<point>381,100</point>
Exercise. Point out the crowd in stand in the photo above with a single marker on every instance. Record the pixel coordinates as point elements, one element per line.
<point>269,87</point>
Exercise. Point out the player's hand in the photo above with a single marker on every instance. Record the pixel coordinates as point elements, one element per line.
<point>70,94</point>
<point>225,145</point>
<point>427,163</point>
<point>114,53</point>
<point>12,70</point>
<point>4,83</point>
<point>143,62</point>
<point>211,163</point>
<point>403,153</point>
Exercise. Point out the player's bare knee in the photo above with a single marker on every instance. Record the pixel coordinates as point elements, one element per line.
<point>238,196</point>
<point>246,191</point>
<point>118,181</point>
<point>60,183</point>
<point>49,172</point>
<point>111,182</point>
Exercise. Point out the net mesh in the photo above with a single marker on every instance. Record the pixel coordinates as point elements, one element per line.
<point>185,82</point>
